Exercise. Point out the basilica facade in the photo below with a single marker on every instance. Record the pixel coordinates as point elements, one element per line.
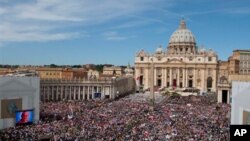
<point>182,64</point>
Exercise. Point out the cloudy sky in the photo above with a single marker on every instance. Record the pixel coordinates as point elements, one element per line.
<point>39,32</point>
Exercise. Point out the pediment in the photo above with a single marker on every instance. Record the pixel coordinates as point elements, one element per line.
<point>175,61</point>
<point>15,85</point>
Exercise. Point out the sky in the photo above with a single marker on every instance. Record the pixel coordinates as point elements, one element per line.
<point>71,32</point>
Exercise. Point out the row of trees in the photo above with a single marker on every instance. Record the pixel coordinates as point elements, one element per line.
<point>98,67</point>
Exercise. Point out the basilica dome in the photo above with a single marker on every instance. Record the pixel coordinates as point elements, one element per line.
<point>159,50</point>
<point>182,34</point>
<point>182,41</point>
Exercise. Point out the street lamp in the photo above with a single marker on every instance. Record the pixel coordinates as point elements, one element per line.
<point>152,83</point>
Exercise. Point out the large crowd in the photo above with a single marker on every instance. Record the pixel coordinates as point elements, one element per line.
<point>177,118</point>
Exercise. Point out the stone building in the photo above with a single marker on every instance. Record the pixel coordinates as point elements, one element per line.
<point>61,73</point>
<point>76,89</point>
<point>237,68</point>
<point>182,64</point>
<point>113,70</point>
<point>50,73</point>
<point>129,71</point>
<point>93,74</point>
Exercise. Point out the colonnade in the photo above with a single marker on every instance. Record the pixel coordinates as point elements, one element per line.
<point>58,92</point>
<point>176,77</point>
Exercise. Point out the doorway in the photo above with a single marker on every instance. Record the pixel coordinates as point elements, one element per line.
<point>159,82</point>
<point>224,96</point>
<point>174,83</point>
<point>190,83</point>
<point>141,80</point>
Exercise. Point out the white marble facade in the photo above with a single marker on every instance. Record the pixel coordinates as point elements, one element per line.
<point>181,65</point>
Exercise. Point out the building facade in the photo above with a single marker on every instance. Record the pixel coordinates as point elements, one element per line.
<point>76,89</point>
<point>237,68</point>
<point>129,71</point>
<point>113,70</point>
<point>181,65</point>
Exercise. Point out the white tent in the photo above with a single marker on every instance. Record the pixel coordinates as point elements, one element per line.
<point>14,90</point>
<point>240,113</point>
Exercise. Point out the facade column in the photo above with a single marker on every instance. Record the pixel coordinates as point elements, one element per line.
<point>186,79</point>
<point>83,92</point>
<point>165,77</point>
<point>155,77</point>
<point>69,92</point>
<point>110,92</point>
<point>183,77</point>
<point>205,80</point>
<point>74,87</point>
<point>214,82</point>
<point>178,77</point>
<point>57,93</point>
<point>62,93</point>
<point>88,92</point>
<point>79,93</point>
<point>102,92</point>
<point>170,77</point>
<point>52,90</point>
<point>195,78</point>
<point>162,77</point>
<point>48,93</point>
<point>44,94</point>
<point>93,91</point>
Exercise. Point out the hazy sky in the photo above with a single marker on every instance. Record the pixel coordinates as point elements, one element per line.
<point>41,32</point>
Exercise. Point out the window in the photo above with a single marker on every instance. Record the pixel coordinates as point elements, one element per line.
<point>141,70</point>
<point>199,59</point>
<point>209,59</point>
<point>190,58</point>
<point>142,58</point>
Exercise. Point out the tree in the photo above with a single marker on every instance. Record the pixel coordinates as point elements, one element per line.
<point>53,66</point>
<point>76,66</point>
<point>99,67</point>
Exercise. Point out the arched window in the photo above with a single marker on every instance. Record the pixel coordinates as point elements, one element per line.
<point>209,82</point>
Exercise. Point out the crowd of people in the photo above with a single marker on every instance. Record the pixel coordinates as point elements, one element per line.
<point>178,118</point>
